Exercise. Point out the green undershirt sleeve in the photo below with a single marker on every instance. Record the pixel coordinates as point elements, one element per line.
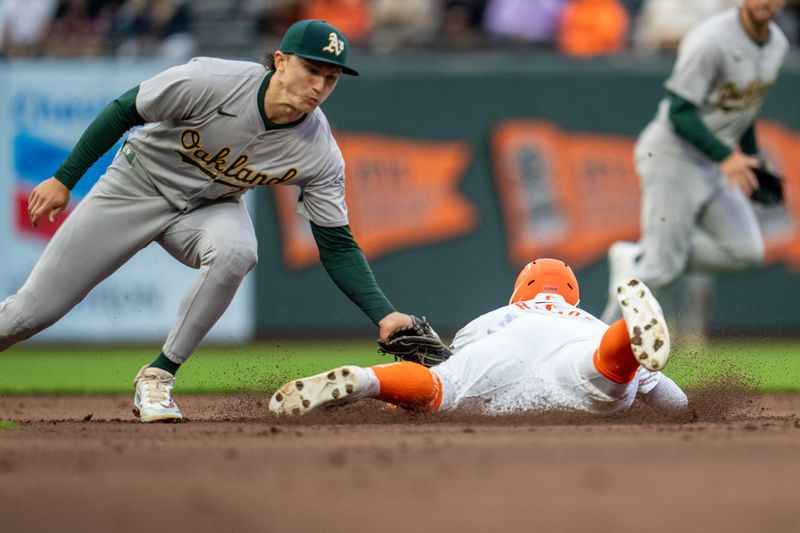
<point>347,266</point>
<point>686,118</point>
<point>114,120</point>
<point>748,141</point>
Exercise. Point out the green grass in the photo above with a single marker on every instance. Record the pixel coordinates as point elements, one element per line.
<point>8,425</point>
<point>766,365</point>
<point>770,366</point>
<point>212,369</point>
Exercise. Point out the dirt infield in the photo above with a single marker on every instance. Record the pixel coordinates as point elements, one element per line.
<point>82,464</point>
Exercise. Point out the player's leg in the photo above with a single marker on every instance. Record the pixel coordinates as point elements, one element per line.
<point>729,237</point>
<point>623,257</point>
<point>640,338</point>
<point>695,308</point>
<point>674,191</point>
<point>219,241</point>
<point>614,358</point>
<point>408,385</point>
<point>337,386</point>
<point>106,229</point>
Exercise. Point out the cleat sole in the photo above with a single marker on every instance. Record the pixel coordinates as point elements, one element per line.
<point>647,328</point>
<point>301,396</point>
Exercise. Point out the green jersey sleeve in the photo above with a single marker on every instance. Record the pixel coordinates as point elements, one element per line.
<point>114,120</point>
<point>685,117</point>
<point>347,266</point>
<point>748,141</point>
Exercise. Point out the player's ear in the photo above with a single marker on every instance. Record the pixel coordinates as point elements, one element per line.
<point>280,60</point>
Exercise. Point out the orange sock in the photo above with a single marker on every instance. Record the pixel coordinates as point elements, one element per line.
<point>614,358</point>
<point>409,385</point>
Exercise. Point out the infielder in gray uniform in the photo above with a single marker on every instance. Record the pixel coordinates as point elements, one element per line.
<point>695,157</point>
<point>210,130</point>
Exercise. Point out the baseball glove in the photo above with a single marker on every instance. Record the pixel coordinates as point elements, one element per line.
<point>418,344</point>
<point>770,187</point>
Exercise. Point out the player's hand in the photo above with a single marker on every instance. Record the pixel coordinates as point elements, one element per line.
<point>50,196</point>
<point>737,169</point>
<point>392,322</point>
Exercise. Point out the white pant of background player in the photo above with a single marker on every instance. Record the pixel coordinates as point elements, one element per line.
<point>692,221</point>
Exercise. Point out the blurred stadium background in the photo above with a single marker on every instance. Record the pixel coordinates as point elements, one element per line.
<point>481,134</point>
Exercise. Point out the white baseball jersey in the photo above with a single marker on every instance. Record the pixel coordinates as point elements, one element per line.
<point>725,73</point>
<point>208,137</point>
<point>534,355</point>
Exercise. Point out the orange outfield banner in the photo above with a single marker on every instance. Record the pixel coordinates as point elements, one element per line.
<point>570,195</point>
<point>781,225</point>
<point>400,193</point>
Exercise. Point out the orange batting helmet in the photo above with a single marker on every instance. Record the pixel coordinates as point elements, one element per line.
<point>546,275</point>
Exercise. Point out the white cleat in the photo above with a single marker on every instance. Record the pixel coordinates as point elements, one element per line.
<point>647,327</point>
<point>153,399</point>
<point>621,263</point>
<point>300,396</point>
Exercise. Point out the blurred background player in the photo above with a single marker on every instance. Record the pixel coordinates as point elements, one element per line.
<point>540,352</point>
<point>212,129</point>
<point>694,159</point>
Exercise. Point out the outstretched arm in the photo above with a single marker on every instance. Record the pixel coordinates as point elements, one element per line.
<point>347,266</point>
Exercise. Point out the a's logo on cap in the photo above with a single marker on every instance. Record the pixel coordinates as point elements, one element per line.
<point>335,45</point>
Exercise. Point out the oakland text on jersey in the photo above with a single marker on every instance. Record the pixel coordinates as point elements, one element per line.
<point>215,166</point>
<point>732,98</point>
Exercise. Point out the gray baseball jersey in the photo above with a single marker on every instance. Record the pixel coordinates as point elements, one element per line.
<point>207,137</point>
<point>722,71</point>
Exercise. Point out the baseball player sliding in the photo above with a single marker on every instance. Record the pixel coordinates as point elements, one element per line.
<point>539,352</point>
<point>210,130</point>
<point>696,158</point>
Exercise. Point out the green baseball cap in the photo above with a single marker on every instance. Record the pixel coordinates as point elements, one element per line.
<point>318,41</point>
